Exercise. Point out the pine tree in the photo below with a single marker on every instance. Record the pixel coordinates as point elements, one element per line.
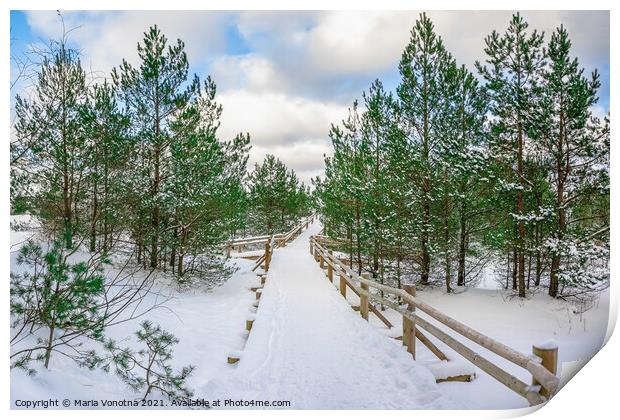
<point>59,295</point>
<point>343,193</point>
<point>572,148</point>
<point>51,141</point>
<point>148,370</point>
<point>153,94</point>
<point>513,66</point>
<point>467,171</point>
<point>377,124</point>
<point>425,68</point>
<point>109,149</point>
<point>205,180</point>
<point>273,195</point>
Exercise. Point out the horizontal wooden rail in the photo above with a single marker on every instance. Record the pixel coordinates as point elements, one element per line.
<point>295,230</point>
<point>543,374</point>
<point>280,238</point>
<point>340,272</point>
<point>252,239</point>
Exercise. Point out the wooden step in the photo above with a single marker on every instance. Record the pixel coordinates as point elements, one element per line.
<point>459,378</point>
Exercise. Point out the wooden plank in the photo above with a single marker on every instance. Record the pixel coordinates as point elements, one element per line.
<point>330,271</point>
<point>372,308</point>
<point>364,301</point>
<point>249,257</point>
<point>530,362</point>
<point>258,262</point>
<point>409,324</point>
<point>549,358</point>
<point>433,348</point>
<point>492,369</point>
<point>343,286</point>
<point>458,378</point>
<point>267,255</point>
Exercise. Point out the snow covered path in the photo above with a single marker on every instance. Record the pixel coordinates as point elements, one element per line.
<point>309,347</point>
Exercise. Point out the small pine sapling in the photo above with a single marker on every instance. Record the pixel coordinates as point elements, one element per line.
<point>149,369</point>
<point>61,296</point>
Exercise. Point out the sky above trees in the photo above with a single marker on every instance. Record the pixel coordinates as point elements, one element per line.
<point>286,76</point>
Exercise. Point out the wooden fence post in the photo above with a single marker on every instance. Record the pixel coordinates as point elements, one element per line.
<point>267,255</point>
<point>364,298</point>
<point>228,249</point>
<point>330,269</point>
<point>311,250</point>
<point>321,260</point>
<point>549,356</point>
<point>343,286</point>
<point>409,325</point>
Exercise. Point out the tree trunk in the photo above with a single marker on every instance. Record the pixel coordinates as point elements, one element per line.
<point>350,237</point>
<point>529,270</point>
<point>521,223</point>
<point>180,265</point>
<point>446,237</point>
<point>173,251</point>
<point>359,250</point>
<point>155,213</point>
<point>514,268</point>
<point>507,269</point>
<point>426,188</point>
<point>462,245</point>
<point>562,169</point>
<point>93,222</point>
<point>538,262</point>
<point>156,180</point>
<point>67,229</point>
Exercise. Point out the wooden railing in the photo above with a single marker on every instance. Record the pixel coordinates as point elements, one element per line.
<point>270,242</point>
<point>542,364</point>
<point>280,238</point>
<point>240,243</point>
<point>294,232</point>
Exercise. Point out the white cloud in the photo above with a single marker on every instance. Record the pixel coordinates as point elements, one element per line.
<point>292,128</point>
<point>346,42</point>
<point>253,72</point>
<point>275,118</point>
<point>304,68</point>
<point>305,158</point>
<point>464,32</point>
<point>108,37</point>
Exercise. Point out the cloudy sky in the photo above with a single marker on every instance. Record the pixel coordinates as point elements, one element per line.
<point>286,76</point>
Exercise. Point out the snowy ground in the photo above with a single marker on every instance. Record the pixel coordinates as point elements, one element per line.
<point>512,321</point>
<point>208,324</point>
<point>309,347</point>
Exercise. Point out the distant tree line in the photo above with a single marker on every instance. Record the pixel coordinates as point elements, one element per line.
<point>134,160</point>
<point>455,169</point>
